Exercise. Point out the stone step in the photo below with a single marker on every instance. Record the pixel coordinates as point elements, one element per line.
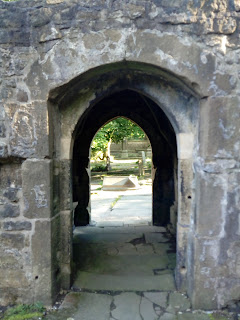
<point>93,281</point>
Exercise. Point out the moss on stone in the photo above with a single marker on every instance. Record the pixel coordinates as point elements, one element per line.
<point>24,311</point>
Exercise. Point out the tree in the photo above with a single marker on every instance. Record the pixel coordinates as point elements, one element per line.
<point>114,131</point>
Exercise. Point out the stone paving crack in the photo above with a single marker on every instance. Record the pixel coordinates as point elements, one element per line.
<point>112,307</point>
<point>141,240</point>
<point>139,308</point>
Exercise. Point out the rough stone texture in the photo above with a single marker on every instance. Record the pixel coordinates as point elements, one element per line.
<point>59,59</point>
<point>46,270</point>
<point>16,226</point>
<point>178,302</point>
<point>220,129</point>
<point>9,210</point>
<point>37,188</point>
<point>65,248</point>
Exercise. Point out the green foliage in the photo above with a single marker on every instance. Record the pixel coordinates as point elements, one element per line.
<point>98,167</point>
<point>114,131</point>
<point>24,311</point>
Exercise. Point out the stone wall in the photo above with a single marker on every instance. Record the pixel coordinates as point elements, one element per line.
<point>131,149</point>
<point>60,57</point>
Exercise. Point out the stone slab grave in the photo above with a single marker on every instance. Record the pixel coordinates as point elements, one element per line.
<point>120,183</point>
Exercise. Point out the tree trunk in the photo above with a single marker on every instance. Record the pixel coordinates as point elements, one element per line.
<point>108,148</point>
<point>108,155</point>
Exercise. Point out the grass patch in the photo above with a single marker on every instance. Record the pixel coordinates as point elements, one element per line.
<point>114,202</point>
<point>218,316</point>
<point>24,312</point>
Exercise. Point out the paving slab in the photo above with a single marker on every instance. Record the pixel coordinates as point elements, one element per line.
<point>145,249</point>
<point>104,237</point>
<point>127,249</point>
<point>124,306</point>
<point>156,237</point>
<point>127,306</point>
<point>161,248</point>
<point>84,306</point>
<point>168,316</point>
<point>115,230</point>
<point>148,310</point>
<point>119,262</point>
<point>110,223</point>
<point>128,207</point>
<point>137,221</point>
<point>158,298</point>
<point>178,302</point>
<point>93,305</point>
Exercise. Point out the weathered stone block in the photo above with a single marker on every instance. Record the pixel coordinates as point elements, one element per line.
<point>9,240</point>
<point>56,235</point>
<point>228,291</point>
<point>10,176</point>
<point>3,150</point>
<point>29,130</point>
<point>219,127</point>
<point>66,235</point>
<point>13,279</point>
<point>41,245</point>
<point>11,194</point>
<point>23,138</point>
<point>17,226</point>
<point>41,17</point>
<point>207,254</point>
<point>50,34</point>
<point>237,5</point>
<point>54,1</point>
<point>182,263</point>
<point>15,296</point>
<point>210,201</point>
<point>232,225</point>
<point>7,261</point>
<point>204,295</point>
<point>185,194</point>
<point>173,54</point>
<point>9,210</point>
<point>37,83</point>
<point>22,96</point>
<point>185,145</point>
<point>42,262</point>
<point>2,130</point>
<point>206,273</point>
<point>178,302</point>
<point>37,188</point>
<point>65,184</point>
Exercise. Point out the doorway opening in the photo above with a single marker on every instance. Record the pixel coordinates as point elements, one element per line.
<point>121,182</point>
<point>116,258</point>
<point>149,116</point>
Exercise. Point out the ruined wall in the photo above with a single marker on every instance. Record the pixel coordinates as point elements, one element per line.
<point>44,45</point>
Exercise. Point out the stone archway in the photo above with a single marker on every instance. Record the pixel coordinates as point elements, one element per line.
<point>172,112</point>
<point>57,59</point>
